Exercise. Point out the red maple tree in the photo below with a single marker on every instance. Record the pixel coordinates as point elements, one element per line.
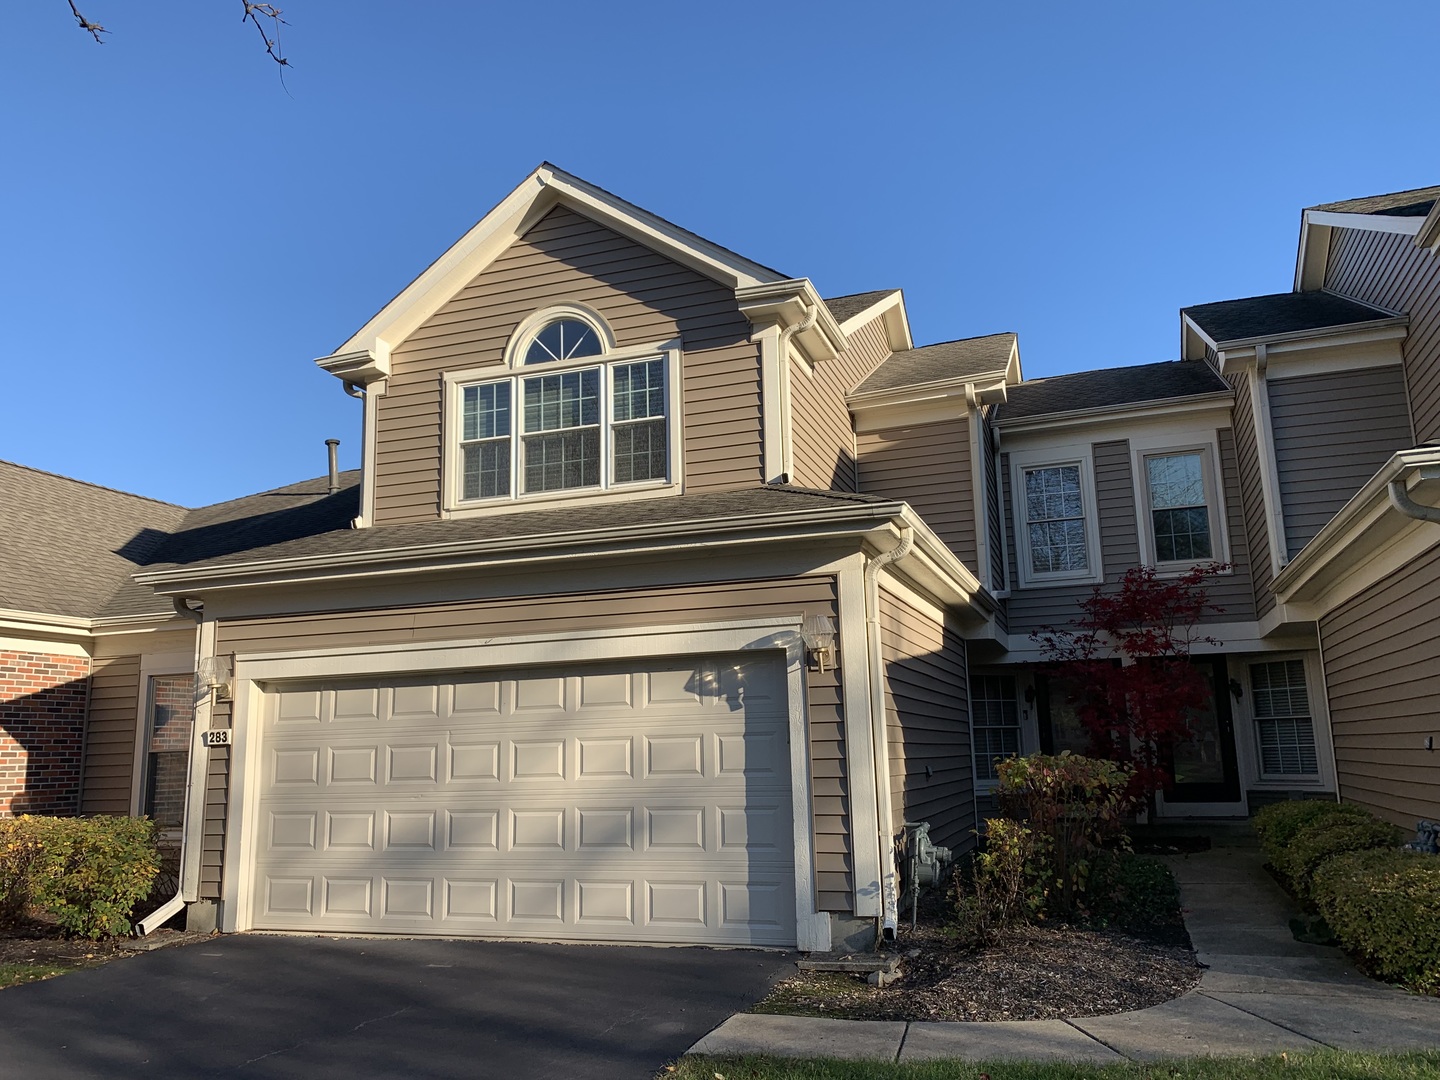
<point>1138,709</point>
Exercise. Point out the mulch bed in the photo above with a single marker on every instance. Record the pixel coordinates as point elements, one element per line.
<point>1052,972</point>
<point>36,950</point>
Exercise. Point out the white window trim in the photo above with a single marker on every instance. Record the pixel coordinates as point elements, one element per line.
<point>454,506</point>
<point>1324,779</point>
<point>1207,446</point>
<point>1021,462</point>
<point>524,334</point>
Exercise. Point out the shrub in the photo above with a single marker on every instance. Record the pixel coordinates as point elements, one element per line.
<point>1328,837</point>
<point>1133,892</point>
<point>1277,824</point>
<point>1384,906</point>
<point>1076,808</point>
<point>86,873</point>
<point>1002,887</point>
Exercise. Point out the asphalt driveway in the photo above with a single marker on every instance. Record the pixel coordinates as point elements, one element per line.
<point>262,1006</point>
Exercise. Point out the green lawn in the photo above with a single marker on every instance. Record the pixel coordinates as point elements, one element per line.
<point>1322,1065</point>
<point>16,974</point>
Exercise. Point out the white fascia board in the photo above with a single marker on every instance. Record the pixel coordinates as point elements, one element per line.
<point>788,303</point>
<point>362,368</point>
<point>1386,223</point>
<point>629,540</point>
<point>27,624</point>
<point>1313,255</point>
<point>130,624</point>
<point>1141,410</point>
<point>897,322</point>
<point>538,193</point>
<point>1013,374</point>
<point>1190,325</point>
<point>987,387</point>
<point>1361,527</point>
<point>1429,234</point>
<point>1241,353</point>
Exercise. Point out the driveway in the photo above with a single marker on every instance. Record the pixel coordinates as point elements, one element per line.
<point>318,1008</point>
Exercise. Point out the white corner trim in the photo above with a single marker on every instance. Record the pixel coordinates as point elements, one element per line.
<point>772,415</point>
<point>860,742</point>
<point>979,493</point>
<point>1269,470</point>
<point>254,670</point>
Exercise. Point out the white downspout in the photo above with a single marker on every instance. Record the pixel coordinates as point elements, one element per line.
<point>185,890</point>
<point>787,451</point>
<point>889,886</point>
<point>1401,500</point>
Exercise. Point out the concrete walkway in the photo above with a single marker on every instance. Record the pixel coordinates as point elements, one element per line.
<point>1263,992</point>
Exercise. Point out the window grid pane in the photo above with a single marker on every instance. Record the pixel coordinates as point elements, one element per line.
<point>560,460</point>
<point>566,400</point>
<point>172,726</point>
<point>641,451</point>
<point>1055,519</point>
<point>1178,510</point>
<point>1282,719</point>
<point>563,339</point>
<point>995,723</point>
<point>487,469</point>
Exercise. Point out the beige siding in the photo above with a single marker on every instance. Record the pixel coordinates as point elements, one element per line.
<point>642,295</point>
<point>1332,433</point>
<point>570,611</point>
<point>110,734</point>
<point>1233,592</point>
<point>927,722</point>
<point>994,515</point>
<point>1030,609</point>
<point>1252,497</point>
<point>928,466</point>
<point>1382,673</point>
<point>822,437</point>
<point>1389,271</point>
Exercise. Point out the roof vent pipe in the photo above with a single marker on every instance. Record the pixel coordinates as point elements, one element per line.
<point>334,445</point>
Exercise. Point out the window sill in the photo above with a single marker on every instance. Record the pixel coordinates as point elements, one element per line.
<point>552,500</point>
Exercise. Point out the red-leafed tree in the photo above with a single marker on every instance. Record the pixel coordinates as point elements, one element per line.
<point>1138,709</point>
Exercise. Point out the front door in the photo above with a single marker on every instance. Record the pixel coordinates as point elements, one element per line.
<point>1205,770</point>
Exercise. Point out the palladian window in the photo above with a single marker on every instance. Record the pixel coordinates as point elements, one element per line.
<point>590,417</point>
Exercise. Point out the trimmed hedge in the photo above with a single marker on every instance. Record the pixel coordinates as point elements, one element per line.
<point>1385,906</point>
<point>86,873</point>
<point>1277,824</point>
<point>1328,837</point>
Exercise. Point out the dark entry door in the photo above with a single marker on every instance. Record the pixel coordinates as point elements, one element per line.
<point>1205,770</point>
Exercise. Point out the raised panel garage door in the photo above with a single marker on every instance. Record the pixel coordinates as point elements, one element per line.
<point>635,802</point>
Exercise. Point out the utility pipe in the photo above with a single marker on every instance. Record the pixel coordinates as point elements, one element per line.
<point>889,887</point>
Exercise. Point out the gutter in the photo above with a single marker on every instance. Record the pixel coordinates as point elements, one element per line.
<point>1101,413</point>
<point>1400,498</point>
<point>889,886</point>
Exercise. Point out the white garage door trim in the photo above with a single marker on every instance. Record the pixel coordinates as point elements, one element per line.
<point>779,635</point>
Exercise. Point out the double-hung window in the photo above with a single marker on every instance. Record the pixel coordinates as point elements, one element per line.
<point>996,722</point>
<point>571,415</point>
<point>1284,729</point>
<point>1180,504</point>
<point>1056,531</point>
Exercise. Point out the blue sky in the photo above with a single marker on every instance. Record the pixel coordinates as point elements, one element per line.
<point>181,236</point>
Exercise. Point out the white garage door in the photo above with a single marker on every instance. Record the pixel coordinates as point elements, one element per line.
<point>648,801</point>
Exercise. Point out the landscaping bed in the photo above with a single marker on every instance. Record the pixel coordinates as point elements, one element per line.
<point>37,950</point>
<point>1032,972</point>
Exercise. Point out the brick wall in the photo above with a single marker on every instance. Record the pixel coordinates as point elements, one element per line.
<point>42,728</point>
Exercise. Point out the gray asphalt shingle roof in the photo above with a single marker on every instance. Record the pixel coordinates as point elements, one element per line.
<point>1278,313</point>
<point>846,307</point>
<point>66,546</point>
<point>282,534</point>
<point>1413,203</point>
<point>1110,387</point>
<point>936,363</point>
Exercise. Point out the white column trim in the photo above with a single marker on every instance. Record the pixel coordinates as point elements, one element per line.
<point>860,719</point>
<point>772,399</point>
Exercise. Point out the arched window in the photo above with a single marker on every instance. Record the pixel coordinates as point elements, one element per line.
<point>594,417</point>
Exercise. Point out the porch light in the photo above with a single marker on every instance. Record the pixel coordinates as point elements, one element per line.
<point>213,675</point>
<point>818,633</point>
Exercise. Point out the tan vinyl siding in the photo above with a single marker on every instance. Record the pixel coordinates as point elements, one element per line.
<point>1252,498</point>
<point>927,722</point>
<point>1030,609</point>
<point>1389,271</point>
<point>1382,672</point>
<point>496,618</point>
<point>110,732</point>
<point>643,296</point>
<point>928,466</point>
<point>822,436</point>
<point>1333,432</point>
<point>1233,592</point>
<point>994,516</point>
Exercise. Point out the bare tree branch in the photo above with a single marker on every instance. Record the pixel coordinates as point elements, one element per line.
<point>254,13</point>
<point>94,29</point>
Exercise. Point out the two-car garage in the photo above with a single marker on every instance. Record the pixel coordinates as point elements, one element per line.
<point>632,801</point>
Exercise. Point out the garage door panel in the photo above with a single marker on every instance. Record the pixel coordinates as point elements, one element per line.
<point>617,802</point>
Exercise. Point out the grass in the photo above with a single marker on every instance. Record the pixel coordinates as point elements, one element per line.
<point>1321,1065</point>
<point>18,974</point>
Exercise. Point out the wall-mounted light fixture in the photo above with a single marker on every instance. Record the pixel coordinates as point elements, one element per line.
<point>213,676</point>
<point>818,633</point>
<point>1235,690</point>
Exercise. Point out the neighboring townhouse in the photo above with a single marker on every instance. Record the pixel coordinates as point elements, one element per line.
<point>669,591</point>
